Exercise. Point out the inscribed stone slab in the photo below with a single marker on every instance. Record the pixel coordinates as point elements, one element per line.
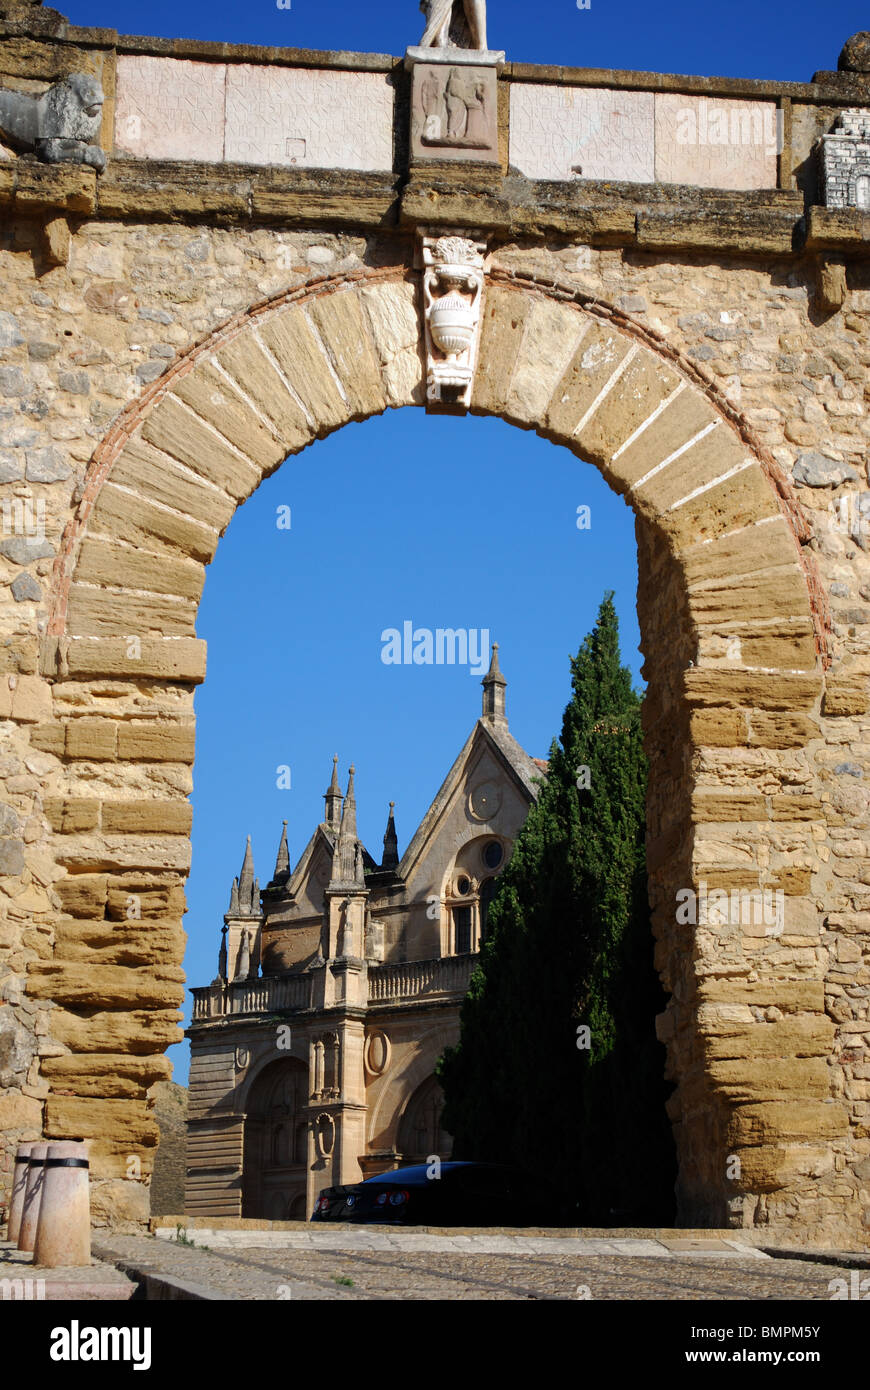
<point>713,142</point>
<point>609,134</point>
<point>169,108</point>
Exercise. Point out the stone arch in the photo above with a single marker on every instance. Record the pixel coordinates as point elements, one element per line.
<point>400,1084</point>
<point>732,616</point>
<point>275,1140</point>
<point>420,1134</point>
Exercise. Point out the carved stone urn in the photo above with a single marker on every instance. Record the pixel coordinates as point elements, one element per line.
<point>453,291</point>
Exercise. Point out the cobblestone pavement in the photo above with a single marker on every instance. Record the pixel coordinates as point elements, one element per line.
<point>389,1273</point>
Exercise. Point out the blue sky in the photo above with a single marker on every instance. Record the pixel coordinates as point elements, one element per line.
<point>443,522</point>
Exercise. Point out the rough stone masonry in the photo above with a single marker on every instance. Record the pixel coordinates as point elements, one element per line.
<point>689,318</point>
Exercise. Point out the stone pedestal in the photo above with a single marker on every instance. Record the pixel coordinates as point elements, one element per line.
<point>454,104</point>
<point>63,1236</point>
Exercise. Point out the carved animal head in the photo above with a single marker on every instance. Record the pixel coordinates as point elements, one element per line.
<point>74,108</point>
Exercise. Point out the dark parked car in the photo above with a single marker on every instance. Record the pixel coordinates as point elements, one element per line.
<point>463,1194</point>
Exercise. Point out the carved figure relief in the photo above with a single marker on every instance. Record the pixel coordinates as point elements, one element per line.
<point>63,125</point>
<point>456,109</point>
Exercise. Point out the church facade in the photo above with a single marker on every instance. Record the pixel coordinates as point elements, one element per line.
<point>339,985</point>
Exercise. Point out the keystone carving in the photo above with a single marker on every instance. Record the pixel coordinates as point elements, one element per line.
<point>61,126</point>
<point>452,298</point>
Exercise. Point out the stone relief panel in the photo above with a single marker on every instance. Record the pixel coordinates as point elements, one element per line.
<point>454,112</point>
<point>558,132</point>
<point>313,118</point>
<point>713,142</point>
<point>170,109</point>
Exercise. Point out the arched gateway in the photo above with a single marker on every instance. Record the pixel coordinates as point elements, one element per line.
<point>623,352</point>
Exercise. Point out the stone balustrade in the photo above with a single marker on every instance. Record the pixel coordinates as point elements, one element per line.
<point>417,978</point>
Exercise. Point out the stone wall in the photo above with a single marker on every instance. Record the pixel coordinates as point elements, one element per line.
<point>712,367</point>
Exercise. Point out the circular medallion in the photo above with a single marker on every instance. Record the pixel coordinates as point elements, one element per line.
<point>485,800</point>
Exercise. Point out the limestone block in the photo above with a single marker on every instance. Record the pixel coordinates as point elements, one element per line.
<point>83,895</point>
<point>601,352</point>
<point>49,738</point>
<point>740,500</point>
<point>115,1203</point>
<point>92,740</point>
<point>107,1075</point>
<point>141,1032</point>
<point>773,593</point>
<point>846,694</point>
<point>781,730</point>
<point>792,648</point>
<point>103,613</point>
<point>776,1120</point>
<point>800,806</point>
<point>106,562</point>
<point>57,241</point>
<point>746,1080</point>
<point>716,454</point>
<point>727,806</point>
<point>217,401</point>
<point>771,1167</point>
<point>20,1112</point>
<point>289,336</point>
<point>641,389</point>
<point>155,742</point>
<point>709,686</point>
<point>718,728</point>
<point>140,522</point>
<point>68,814</point>
<point>175,429</point>
<point>342,327</point>
<point>109,851</point>
<point>502,326</point>
<point>249,363</point>
<point>26,699</point>
<point>156,897</point>
<point>552,333</point>
<point>729,557</point>
<point>798,1035</point>
<point>680,421</point>
<point>171,658</point>
<point>791,996</point>
<point>132,943</point>
<point>160,817</point>
<point>91,1118</point>
<point>395,330</point>
<point>71,983</point>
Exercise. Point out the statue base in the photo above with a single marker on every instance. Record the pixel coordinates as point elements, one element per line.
<point>456,57</point>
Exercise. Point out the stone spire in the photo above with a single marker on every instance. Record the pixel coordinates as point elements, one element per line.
<point>234,899</point>
<point>249,887</point>
<point>332,797</point>
<point>391,842</point>
<point>347,857</point>
<point>282,863</point>
<point>494,685</point>
<point>222,953</point>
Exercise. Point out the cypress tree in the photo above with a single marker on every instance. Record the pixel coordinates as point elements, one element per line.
<point>570,949</point>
